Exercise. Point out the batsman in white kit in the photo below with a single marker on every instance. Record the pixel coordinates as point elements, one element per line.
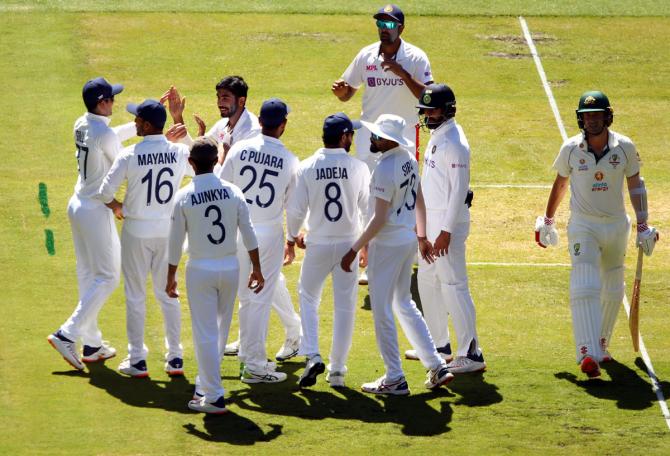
<point>596,162</point>
<point>96,242</point>
<point>237,123</point>
<point>443,284</point>
<point>154,170</point>
<point>333,188</point>
<point>210,212</point>
<point>398,209</point>
<point>265,171</point>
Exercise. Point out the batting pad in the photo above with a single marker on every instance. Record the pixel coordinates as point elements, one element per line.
<point>611,297</point>
<point>585,309</point>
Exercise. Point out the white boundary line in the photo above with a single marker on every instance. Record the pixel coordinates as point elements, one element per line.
<point>544,265</point>
<point>655,384</point>
<point>510,186</point>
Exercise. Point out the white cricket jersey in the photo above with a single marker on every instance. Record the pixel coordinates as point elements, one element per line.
<point>97,146</point>
<point>265,171</point>
<point>246,127</point>
<point>446,175</point>
<point>596,189</point>
<point>395,179</point>
<point>154,169</point>
<point>385,92</point>
<point>210,211</point>
<point>334,188</point>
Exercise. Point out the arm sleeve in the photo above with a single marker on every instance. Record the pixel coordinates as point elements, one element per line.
<point>296,208</point>
<point>126,131</point>
<point>375,224</point>
<point>177,234</point>
<point>382,184</point>
<point>186,140</point>
<point>227,170</point>
<point>423,71</point>
<point>364,196</point>
<point>290,188</point>
<point>633,163</point>
<point>110,145</point>
<point>458,174</point>
<point>562,162</point>
<point>244,223</point>
<point>353,75</point>
<point>114,178</point>
<point>188,170</point>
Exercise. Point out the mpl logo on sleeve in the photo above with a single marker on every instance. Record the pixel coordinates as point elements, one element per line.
<point>370,67</point>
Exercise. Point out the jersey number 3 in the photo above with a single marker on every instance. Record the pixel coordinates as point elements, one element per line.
<point>217,223</point>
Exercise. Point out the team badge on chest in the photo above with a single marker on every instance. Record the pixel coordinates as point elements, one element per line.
<point>614,160</point>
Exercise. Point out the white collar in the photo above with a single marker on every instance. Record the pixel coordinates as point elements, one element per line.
<point>105,119</point>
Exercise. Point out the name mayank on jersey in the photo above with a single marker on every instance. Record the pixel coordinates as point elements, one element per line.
<point>161,158</point>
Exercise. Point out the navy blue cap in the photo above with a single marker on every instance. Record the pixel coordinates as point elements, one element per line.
<point>151,111</point>
<point>339,123</point>
<point>98,89</point>
<point>273,112</point>
<point>392,11</point>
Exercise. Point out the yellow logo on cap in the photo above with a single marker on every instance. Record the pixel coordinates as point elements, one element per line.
<point>589,100</point>
<point>426,98</point>
<point>388,8</point>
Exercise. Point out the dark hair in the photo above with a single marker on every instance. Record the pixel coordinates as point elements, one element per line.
<point>234,84</point>
<point>331,141</point>
<point>91,105</point>
<point>204,153</point>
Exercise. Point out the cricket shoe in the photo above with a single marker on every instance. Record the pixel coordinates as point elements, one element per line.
<point>335,378</point>
<point>174,367</point>
<point>288,350</point>
<point>381,386</point>
<point>66,348</point>
<point>137,370</point>
<point>465,364</point>
<point>232,349</point>
<point>590,367</point>
<point>438,377</point>
<point>217,407</point>
<point>363,277</point>
<point>95,354</point>
<point>444,352</point>
<point>313,368</point>
<point>267,375</point>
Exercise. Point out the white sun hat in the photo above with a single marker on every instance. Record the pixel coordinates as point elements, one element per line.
<point>389,126</point>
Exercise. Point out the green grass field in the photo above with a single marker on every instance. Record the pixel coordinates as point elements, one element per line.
<point>532,399</point>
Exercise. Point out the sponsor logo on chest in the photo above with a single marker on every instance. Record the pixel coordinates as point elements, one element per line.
<point>599,185</point>
<point>582,165</point>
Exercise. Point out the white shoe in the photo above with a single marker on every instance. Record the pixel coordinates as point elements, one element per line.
<point>363,277</point>
<point>438,377</point>
<point>464,364</point>
<point>66,348</point>
<point>95,354</point>
<point>381,386</point>
<point>217,407</point>
<point>288,350</point>
<point>267,375</point>
<point>336,379</point>
<point>174,367</point>
<point>313,368</point>
<point>232,349</point>
<point>137,370</point>
<point>412,354</point>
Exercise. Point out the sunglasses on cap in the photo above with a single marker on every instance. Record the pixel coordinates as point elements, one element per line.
<point>388,25</point>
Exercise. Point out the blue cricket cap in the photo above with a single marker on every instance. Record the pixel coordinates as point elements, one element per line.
<point>98,89</point>
<point>149,110</point>
<point>390,11</point>
<point>273,112</point>
<point>339,123</point>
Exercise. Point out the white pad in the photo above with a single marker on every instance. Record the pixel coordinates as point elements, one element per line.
<point>585,307</point>
<point>611,297</point>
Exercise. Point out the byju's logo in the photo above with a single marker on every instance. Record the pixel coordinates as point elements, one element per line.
<point>372,82</point>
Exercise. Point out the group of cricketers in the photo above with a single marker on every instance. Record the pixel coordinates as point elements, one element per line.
<point>376,210</point>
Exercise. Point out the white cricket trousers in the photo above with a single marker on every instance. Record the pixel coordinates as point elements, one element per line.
<point>444,291</point>
<point>597,249</point>
<point>211,299</point>
<point>98,252</point>
<point>389,280</point>
<point>321,260</point>
<point>255,308</point>
<point>139,256</point>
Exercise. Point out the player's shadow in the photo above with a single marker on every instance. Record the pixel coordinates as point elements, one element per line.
<point>234,429</point>
<point>630,390</point>
<point>415,416</point>
<point>474,390</point>
<point>172,395</point>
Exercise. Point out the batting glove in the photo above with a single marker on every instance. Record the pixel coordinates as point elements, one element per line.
<point>646,238</point>
<point>545,232</point>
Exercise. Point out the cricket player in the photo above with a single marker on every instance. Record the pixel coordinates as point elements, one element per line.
<point>394,73</point>
<point>596,162</point>
<point>96,242</point>
<point>210,212</point>
<point>265,171</point>
<point>395,194</point>
<point>237,123</point>
<point>443,284</point>
<point>333,187</point>
<point>154,170</point>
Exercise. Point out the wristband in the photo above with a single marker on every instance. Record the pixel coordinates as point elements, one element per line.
<point>548,220</point>
<point>642,227</point>
<point>421,238</point>
<point>290,243</point>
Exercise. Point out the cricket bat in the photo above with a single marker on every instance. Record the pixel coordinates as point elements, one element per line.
<point>634,319</point>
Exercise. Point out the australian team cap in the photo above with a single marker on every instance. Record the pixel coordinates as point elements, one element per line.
<point>390,11</point>
<point>151,111</point>
<point>273,112</point>
<point>436,96</point>
<point>339,123</point>
<point>593,101</point>
<point>98,89</point>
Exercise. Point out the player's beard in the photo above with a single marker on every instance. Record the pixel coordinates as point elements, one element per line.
<point>231,111</point>
<point>434,122</point>
<point>389,36</point>
<point>373,147</point>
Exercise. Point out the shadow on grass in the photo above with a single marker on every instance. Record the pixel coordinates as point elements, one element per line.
<point>630,390</point>
<point>172,395</point>
<point>474,390</point>
<point>234,429</point>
